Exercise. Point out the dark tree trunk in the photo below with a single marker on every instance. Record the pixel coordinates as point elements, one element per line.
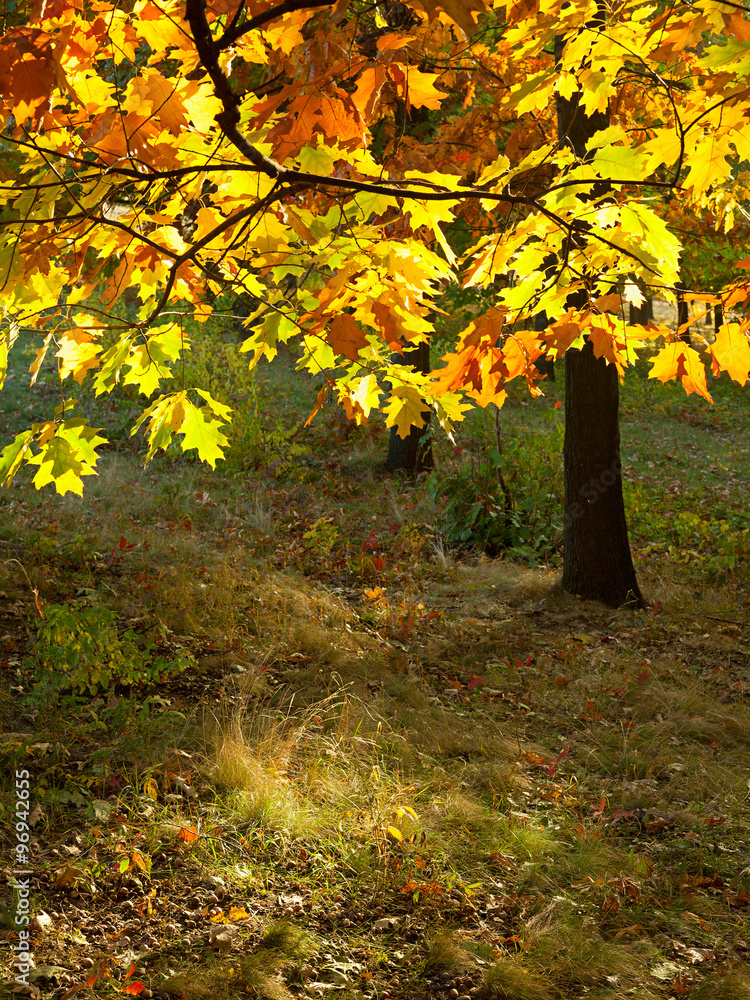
<point>718,317</point>
<point>414,452</point>
<point>683,313</point>
<point>597,563</point>
<point>544,365</point>
<point>643,313</point>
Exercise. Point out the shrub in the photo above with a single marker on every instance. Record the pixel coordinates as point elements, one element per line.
<point>80,651</point>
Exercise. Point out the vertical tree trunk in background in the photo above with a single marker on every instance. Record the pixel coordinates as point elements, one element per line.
<point>409,454</point>
<point>683,312</point>
<point>718,317</point>
<point>544,365</point>
<point>597,563</point>
<point>643,313</point>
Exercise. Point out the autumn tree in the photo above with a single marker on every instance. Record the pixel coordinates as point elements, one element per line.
<point>161,157</point>
<point>598,562</point>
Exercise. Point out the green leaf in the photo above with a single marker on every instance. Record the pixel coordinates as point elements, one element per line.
<point>203,434</point>
<point>164,417</point>
<point>12,455</point>
<point>67,456</point>
<point>225,412</point>
<point>112,362</point>
<point>149,363</point>
<point>7,339</point>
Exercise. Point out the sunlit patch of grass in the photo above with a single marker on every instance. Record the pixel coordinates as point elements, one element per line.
<point>575,957</point>
<point>259,974</point>
<point>734,985</point>
<point>507,979</point>
<point>327,768</point>
<point>587,858</point>
<point>446,953</point>
<point>255,770</point>
<point>529,842</point>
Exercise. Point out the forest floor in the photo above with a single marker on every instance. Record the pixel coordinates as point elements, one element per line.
<point>369,764</point>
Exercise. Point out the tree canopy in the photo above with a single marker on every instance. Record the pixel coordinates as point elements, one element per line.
<point>338,166</point>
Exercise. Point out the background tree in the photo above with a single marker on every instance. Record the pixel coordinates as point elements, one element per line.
<point>596,551</point>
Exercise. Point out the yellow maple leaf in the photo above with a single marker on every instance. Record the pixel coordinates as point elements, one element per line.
<point>405,409</point>
<point>710,164</point>
<point>730,352</point>
<point>365,397</point>
<point>78,352</point>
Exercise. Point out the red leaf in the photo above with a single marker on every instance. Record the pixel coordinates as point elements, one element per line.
<point>475,682</point>
<point>135,987</point>
<point>553,766</point>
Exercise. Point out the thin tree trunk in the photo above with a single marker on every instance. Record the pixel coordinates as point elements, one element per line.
<point>414,452</point>
<point>597,563</point>
<point>683,313</point>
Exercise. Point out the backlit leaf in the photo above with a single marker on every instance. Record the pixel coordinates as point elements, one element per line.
<point>731,352</point>
<point>678,360</point>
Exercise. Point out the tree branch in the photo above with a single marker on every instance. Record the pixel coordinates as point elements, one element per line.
<point>235,31</point>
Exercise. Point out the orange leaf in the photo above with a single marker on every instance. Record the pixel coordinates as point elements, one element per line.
<point>560,335</point>
<point>135,987</point>
<point>188,833</point>
<point>394,40</point>
<point>369,86</point>
<point>463,12</point>
<point>416,88</point>
<point>678,360</point>
<point>29,71</point>
<point>346,337</point>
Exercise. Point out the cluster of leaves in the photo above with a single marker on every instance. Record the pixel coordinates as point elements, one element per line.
<point>79,650</point>
<point>325,162</point>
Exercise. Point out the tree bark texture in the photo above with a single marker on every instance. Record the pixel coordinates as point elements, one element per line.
<point>597,563</point>
<point>412,454</point>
